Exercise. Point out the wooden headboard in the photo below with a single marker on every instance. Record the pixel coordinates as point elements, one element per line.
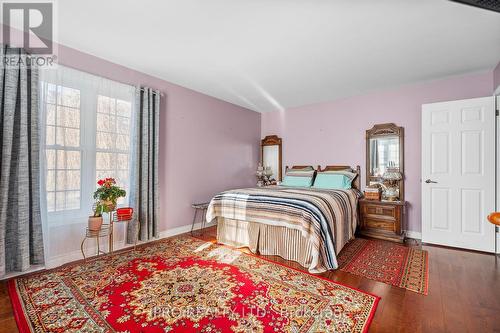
<point>299,167</point>
<point>356,183</point>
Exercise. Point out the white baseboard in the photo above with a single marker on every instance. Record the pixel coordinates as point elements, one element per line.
<point>413,234</point>
<point>498,239</point>
<point>90,251</point>
<point>62,259</point>
<point>65,258</point>
<point>181,230</point>
<point>32,269</point>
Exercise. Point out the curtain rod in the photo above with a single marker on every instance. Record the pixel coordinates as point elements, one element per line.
<point>108,78</point>
<point>154,92</point>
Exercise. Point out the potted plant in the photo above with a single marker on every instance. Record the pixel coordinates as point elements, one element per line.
<point>107,193</point>
<point>95,221</point>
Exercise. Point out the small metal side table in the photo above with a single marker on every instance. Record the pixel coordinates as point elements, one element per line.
<point>128,221</point>
<point>115,218</point>
<point>203,208</point>
<point>105,231</point>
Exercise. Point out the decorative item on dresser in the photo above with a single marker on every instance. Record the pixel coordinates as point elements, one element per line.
<point>392,176</point>
<point>384,218</point>
<point>264,175</point>
<point>373,192</point>
<point>260,175</point>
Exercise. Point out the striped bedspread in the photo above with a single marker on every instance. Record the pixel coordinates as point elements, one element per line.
<point>328,218</point>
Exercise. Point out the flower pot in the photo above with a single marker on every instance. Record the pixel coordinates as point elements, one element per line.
<point>95,223</point>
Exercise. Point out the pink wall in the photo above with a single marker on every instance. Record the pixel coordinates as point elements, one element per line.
<point>206,145</point>
<point>334,132</point>
<point>496,77</point>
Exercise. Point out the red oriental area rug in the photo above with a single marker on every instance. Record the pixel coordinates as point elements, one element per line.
<point>186,285</point>
<point>387,262</point>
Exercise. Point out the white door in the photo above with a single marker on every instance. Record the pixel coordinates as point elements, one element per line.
<point>458,173</point>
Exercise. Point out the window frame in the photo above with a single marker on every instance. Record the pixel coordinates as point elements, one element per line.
<point>89,93</point>
<point>115,150</point>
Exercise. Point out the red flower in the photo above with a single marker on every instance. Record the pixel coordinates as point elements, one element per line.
<point>110,180</point>
<point>106,182</point>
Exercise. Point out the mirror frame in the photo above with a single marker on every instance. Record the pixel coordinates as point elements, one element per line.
<point>380,131</point>
<point>272,140</point>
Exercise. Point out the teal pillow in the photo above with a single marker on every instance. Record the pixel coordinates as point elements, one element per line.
<point>297,181</point>
<point>334,181</point>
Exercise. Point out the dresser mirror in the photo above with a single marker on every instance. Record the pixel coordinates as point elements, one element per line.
<point>384,160</point>
<point>271,155</point>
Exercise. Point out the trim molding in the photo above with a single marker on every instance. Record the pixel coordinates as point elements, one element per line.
<point>182,229</point>
<point>413,234</point>
<point>119,245</point>
<point>32,269</point>
<point>497,233</point>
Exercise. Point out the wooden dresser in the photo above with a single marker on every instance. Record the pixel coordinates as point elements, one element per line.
<point>382,219</point>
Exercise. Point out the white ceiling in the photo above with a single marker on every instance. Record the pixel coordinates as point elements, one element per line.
<point>269,55</point>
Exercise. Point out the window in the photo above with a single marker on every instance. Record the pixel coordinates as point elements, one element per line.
<point>63,150</point>
<point>87,122</point>
<point>113,140</point>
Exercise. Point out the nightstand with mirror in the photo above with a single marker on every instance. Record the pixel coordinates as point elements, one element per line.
<point>382,216</point>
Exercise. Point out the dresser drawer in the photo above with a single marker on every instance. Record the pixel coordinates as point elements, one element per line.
<point>384,220</point>
<point>380,212</point>
<point>379,224</point>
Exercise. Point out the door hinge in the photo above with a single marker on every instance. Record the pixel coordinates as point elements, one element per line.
<point>497,112</point>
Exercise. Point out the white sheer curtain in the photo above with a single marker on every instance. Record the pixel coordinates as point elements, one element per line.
<point>85,136</point>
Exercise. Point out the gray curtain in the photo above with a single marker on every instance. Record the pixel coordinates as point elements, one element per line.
<point>144,193</point>
<point>21,243</point>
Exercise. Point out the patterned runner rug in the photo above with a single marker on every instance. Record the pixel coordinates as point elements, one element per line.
<point>387,262</point>
<point>186,285</point>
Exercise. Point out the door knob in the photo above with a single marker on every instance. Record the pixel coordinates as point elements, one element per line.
<point>428,181</point>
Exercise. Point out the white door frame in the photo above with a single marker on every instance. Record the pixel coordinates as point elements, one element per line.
<point>460,178</point>
<point>497,165</point>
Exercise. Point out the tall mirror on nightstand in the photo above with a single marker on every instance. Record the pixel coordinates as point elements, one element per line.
<point>271,157</point>
<point>383,214</point>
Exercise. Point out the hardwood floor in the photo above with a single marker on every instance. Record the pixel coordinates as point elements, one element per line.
<point>7,321</point>
<point>464,295</point>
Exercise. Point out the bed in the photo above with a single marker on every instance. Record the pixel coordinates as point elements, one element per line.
<point>306,225</point>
